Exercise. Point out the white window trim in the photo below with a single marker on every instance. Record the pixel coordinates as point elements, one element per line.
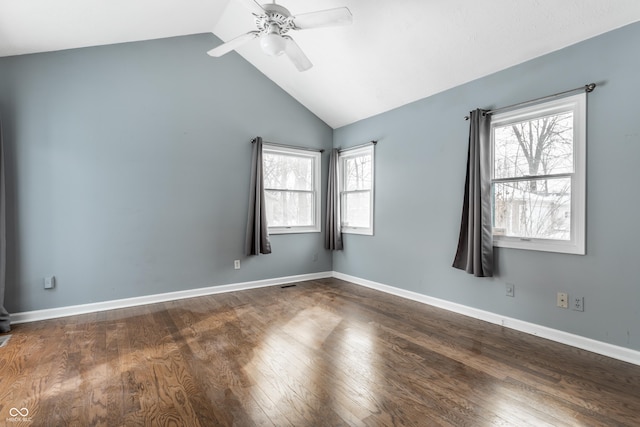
<point>355,152</point>
<point>316,156</point>
<point>576,245</point>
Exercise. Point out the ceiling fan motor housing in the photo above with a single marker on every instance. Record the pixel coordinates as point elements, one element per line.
<point>276,16</point>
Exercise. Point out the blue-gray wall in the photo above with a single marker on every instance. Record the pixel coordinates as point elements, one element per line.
<point>129,171</point>
<point>420,168</point>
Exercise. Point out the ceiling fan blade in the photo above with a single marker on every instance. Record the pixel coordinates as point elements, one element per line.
<point>233,44</point>
<point>254,7</point>
<point>323,18</point>
<point>296,55</point>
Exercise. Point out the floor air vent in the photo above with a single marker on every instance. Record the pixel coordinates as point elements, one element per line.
<point>287,286</point>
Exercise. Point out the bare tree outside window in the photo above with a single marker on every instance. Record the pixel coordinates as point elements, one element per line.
<point>356,190</point>
<point>290,181</point>
<point>357,180</point>
<point>538,176</point>
<point>533,161</point>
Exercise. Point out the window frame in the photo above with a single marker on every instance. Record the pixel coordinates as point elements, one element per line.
<point>342,157</point>
<point>576,244</point>
<point>316,157</point>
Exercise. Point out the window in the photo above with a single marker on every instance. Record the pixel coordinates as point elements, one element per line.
<point>356,190</point>
<point>292,189</point>
<point>538,176</point>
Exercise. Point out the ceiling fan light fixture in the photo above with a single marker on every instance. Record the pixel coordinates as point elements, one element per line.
<point>272,43</point>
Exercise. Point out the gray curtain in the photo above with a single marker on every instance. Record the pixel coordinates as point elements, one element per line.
<point>475,244</point>
<point>5,321</point>
<point>333,235</point>
<point>257,237</point>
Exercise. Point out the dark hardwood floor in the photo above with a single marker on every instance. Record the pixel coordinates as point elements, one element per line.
<point>321,353</point>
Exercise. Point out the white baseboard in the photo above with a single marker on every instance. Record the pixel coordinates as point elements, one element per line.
<point>52,313</point>
<point>605,349</point>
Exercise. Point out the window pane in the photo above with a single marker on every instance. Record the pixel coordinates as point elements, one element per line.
<point>533,209</point>
<point>356,209</point>
<point>286,172</point>
<point>289,209</point>
<point>357,173</point>
<point>542,146</point>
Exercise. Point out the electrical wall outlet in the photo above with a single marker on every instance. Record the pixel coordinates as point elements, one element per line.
<point>236,264</point>
<point>562,300</point>
<point>49,282</point>
<point>577,303</point>
<point>511,290</point>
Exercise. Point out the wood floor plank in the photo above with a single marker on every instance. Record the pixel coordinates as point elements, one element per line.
<point>320,353</point>
<point>196,330</point>
<point>61,360</point>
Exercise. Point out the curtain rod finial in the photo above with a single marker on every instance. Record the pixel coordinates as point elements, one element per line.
<point>590,87</point>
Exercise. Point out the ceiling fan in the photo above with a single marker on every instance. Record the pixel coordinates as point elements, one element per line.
<point>274,21</point>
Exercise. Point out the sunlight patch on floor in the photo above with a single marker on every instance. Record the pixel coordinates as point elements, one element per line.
<point>312,326</point>
<point>284,366</point>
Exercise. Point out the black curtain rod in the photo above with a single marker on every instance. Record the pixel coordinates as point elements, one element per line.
<point>372,142</point>
<point>288,146</point>
<point>587,88</point>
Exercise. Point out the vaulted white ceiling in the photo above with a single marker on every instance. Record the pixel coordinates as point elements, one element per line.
<point>395,52</point>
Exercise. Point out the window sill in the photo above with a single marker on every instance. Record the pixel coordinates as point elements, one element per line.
<point>292,230</point>
<point>360,231</point>
<point>557,246</point>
